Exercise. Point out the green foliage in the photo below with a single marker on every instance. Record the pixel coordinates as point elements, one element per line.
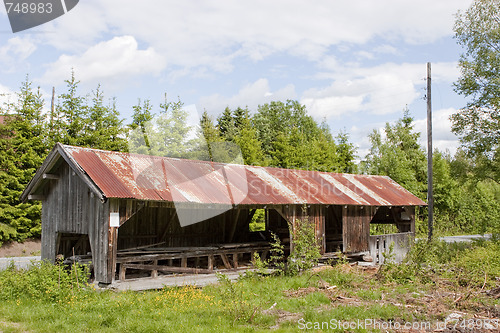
<point>163,135</point>
<point>23,146</point>
<point>479,207</point>
<point>462,263</point>
<point>478,31</point>
<point>305,253</point>
<point>236,127</point>
<point>399,156</point>
<point>237,304</point>
<point>252,303</point>
<point>208,137</point>
<point>103,128</point>
<point>477,265</point>
<point>28,135</point>
<point>43,282</point>
<point>276,259</point>
<point>74,121</point>
<point>292,139</point>
<point>7,233</point>
<point>168,136</point>
<point>258,222</point>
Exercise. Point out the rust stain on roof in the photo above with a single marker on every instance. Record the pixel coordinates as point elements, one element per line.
<point>143,177</point>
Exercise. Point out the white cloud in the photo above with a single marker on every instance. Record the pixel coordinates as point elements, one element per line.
<point>110,61</point>
<point>378,90</point>
<point>326,107</point>
<point>442,137</point>
<point>6,95</point>
<point>213,33</point>
<point>251,95</point>
<point>386,49</point>
<point>14,53</point>
<point>77,30</point>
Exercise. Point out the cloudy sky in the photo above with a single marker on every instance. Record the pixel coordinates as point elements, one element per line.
<point>355,63</point>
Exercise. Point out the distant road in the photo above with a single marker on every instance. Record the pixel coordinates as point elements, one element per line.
<point>465,238</point>
<point>20,262</point>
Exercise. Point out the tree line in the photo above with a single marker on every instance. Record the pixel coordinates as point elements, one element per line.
<point>278,134</point>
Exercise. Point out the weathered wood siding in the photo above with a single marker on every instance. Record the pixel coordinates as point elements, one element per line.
<point>333,228</point>
<point>380,245</point>
<point>314,214</point>
<point>70,207</point>
<point>356,228</point>
<point>158,223</point>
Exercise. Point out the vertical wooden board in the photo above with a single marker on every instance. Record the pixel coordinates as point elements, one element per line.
<point>356,228</point>
<point>319,215</point>
<point>411,211</point>
<point>48,233</point>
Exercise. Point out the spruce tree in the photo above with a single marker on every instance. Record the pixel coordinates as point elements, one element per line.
<point>23,142</point>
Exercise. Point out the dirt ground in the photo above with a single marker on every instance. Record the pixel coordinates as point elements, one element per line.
<point>30,247</point>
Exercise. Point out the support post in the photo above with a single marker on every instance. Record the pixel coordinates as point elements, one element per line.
<point>430,195</point>
<point>114,207</point>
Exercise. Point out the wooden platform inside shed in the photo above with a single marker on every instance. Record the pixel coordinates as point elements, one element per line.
<point>188,260</point>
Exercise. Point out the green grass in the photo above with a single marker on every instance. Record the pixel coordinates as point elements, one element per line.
<point>47,298</point>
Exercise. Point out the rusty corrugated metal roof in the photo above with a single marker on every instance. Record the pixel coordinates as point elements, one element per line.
<point>143,177</point>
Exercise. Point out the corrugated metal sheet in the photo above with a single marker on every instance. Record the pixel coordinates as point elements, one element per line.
<point>142,177</point>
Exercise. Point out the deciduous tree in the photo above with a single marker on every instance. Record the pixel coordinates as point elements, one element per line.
<point>477,30</point>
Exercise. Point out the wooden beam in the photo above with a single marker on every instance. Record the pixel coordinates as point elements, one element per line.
<point>154,272</point>
<point>50,176</point>
<point>131,209</point>
<point>225,261</point>
<point>211,262</point>
<point>290,219</point>
<point>36,197</point>
<point>123,270</point>
<point>171,216</point>
<point>114,207</point>
<point>233,227</point>
<point>171,269</point>
<point>235,260</point>
<point>184,261</point>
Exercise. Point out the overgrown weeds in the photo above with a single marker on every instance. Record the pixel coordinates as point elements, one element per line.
<point>304,255</point>
<point>43,282</point>
<point>436,280</point>
<point>464,264</point>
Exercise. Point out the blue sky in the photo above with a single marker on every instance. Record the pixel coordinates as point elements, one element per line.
<point>356,64</point>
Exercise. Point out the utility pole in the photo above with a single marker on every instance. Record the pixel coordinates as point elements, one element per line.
<point>430,194</point>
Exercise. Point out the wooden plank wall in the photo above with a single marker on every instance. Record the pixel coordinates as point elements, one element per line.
<point>356,228</point>
<point>314,214</point>
<point>155,224</point>
<point>333,228</point>
<point>68,207</point>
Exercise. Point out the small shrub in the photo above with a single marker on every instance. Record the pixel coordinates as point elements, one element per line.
<point>305,253</point>
<point>237,305</point>
<point>276,258</point>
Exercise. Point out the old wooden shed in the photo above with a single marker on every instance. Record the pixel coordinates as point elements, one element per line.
<point>160,214</point>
